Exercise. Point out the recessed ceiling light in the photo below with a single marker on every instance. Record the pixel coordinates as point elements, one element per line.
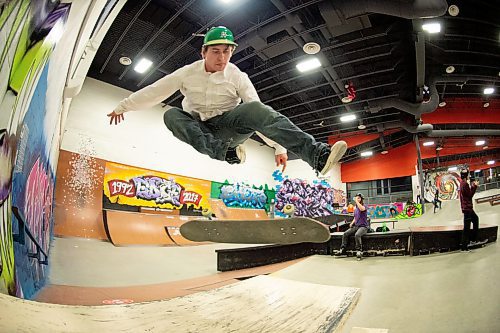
<point>439,148</point>
<point>366,153</point>
<point>490,162</point>
<point>485,147</point>
<point>452,168</point>
<point>429,143</point>
<point>125,61</point>
<point>311,48</point>
<point>453,10</point>
<point>486,104</point>
<point>480,142</point>
<point>384,152</point>
<point>432,28</point>
<point>442,104</point>
<point>488,91</point>
<point>361,126</point>
<point>450,69</point>
<point>143,65</point>
<point>346,118</point>
<point>308,64</point>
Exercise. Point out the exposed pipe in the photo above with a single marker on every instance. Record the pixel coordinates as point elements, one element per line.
<point>470,132</point>
<point>401,8</point>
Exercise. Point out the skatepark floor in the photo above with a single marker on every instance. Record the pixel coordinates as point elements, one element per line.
<point>450,292</point>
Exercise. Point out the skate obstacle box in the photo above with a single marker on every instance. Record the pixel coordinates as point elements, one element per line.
<point>412,241</point>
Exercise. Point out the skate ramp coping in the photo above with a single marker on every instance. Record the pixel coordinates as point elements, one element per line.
<point>283,306</point>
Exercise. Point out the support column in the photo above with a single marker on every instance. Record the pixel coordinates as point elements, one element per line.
<point>420,173</point>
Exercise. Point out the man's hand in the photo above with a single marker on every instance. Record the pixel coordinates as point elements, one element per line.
<point>476,182</point>
<point>115,117</point>
<point>281,160</point>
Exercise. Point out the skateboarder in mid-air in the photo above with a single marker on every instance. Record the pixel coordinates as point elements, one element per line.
<point>213,118</point>
<point>358,227</point>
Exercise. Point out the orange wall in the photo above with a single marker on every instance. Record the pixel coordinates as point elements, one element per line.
<point>398,162</point>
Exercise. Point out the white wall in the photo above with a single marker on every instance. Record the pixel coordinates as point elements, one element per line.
<point>143,140</point>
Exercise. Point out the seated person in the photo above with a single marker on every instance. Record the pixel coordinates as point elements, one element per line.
<point>359,227</point>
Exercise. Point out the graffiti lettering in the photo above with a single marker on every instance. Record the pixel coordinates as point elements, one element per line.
<point>309,200</point>
<point>243,195</point>
<point>382,211</point>
<point>191,197</point>
<point>120,187</point>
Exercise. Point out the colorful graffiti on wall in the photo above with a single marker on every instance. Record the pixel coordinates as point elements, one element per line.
<point>126,185</point>
<point>309,199</point>
<point>241,195</point>
<point>31,30</point>
<point>445,182</point>
<point>398,210</point>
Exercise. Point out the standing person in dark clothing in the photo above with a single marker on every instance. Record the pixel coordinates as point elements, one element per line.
<point>437,201</point>
<point>466,194</point>
<point>358,227</point>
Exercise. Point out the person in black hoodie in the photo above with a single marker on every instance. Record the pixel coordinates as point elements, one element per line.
<point>466,194</point>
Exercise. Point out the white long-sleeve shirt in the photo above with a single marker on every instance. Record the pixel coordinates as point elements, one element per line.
<point>206,94</point>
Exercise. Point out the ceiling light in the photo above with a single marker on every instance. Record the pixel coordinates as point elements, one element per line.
<point>442,104</point>
<point>429,143</point>
<point>346,118</point>
<point>367,153</point>
<point>452,168</point>
<point>486,104</point>
<point>384,152</point>
<point>490,162</point>
<point>450,69</point>
<point>478,170</point>
<point>432,28</point>
<point>439,148</point>
<point>346,99</point>
<point>311,48</point>
<point>488,91</point>
<point>361,126</point>
<point>485,147</point>
<point>480,142</point>
<point>453,10</point>
<point>125,61</point>
<point>308,64</point>
<point>143,65</point>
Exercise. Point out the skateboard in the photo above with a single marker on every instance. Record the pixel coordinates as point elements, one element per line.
<point>272,231</point>
<point>477,245</point>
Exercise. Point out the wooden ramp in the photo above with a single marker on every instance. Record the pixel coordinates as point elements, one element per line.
<point>259,304</point>
<point>222,212</point>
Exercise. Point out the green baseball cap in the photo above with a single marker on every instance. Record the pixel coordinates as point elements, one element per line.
<point>219,35</point>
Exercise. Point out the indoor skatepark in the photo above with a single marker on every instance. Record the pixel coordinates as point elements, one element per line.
<point>90,230</point>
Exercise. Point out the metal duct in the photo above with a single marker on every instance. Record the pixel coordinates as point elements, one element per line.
<point>461,132</point>
<point>399,8</point>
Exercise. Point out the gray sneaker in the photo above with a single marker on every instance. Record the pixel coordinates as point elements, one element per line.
<point>329,157</point>
<point>359,255</point>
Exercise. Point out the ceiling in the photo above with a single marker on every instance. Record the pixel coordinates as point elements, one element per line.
<point>398,71</point>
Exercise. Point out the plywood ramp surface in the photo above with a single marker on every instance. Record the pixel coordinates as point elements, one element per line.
<point>222,212</point>
<point>259,304</point>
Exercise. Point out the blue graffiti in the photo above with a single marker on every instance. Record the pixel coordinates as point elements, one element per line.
<point>243,195</point>
<point>158,189</point>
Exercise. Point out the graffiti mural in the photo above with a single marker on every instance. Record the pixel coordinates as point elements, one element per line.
<point>243,196</point>
<point>309,199</point>
<point>126,185</point>
<point>410,210</point>
<point>29,31</point>
<point>445,182</point>
<point>383,211</point>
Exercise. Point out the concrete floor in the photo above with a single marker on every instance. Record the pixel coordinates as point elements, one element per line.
<point>453,292</point>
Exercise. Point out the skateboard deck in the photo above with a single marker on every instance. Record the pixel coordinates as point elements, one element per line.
<point>477,245</point>
<point>278,231</point>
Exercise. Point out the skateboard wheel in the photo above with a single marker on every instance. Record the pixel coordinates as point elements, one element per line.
<point>289,209</point>
<point>206,212</point>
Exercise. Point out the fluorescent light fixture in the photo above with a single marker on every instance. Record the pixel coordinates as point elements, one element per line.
<point>361,126</point>
<point>143,65</point>
<point>452,168</point>
<point>485,147</point>
<point>488,91</point>
<point>431,28</point>
<point>478,170</point>
<point>442,104</point>
<point>346,118</point>
<point>429,143</point>
<point>480,142</point>
<point>384,152</point>
<point>490,162</point>
<point>439,148</point>
<point>308,64</point>
<point>367,153</point>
